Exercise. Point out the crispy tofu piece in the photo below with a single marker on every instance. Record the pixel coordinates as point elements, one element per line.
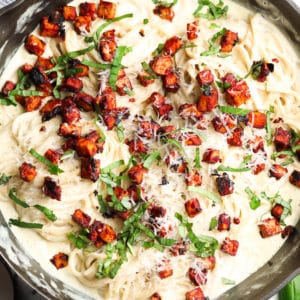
<point>90,168</point>
<point>123,83</point>
<point>156,296</point>
<point>32,103</point>
<point>192,30</point>
<point>95,137</point>
<point>86,147</point>
<point>27,172</point>
<point>171,81</point>
<point>137,146</point>
<point>258,168</point>
<point>265,70</point>
<point>69,130</point>
<point>69,111</point>
<point>81,218</point>
<point>108,45</point>
<point>53,155</point>
<point>35,45</point>
<point>228,41</point>
<point>71,84</point>
<point>277,211</point>
<point>157,100</point>
<point>26,68</point>
<point>224,222</point>
<point>148,129</point>
<point>8,87</point>
<point>94,236</point>
<point>287,231</point>
<point>88,9</point>
<point>197,276</point>
<point>222,124</point>
<point>190,139</point>
<point>165,269</point>
<point>172,45</point>
<point>257,144</point>
<point>193,178</point>
<point>176,162</point>
<point>51,109</point>
<point>205,77</point>
<point>167,131</point>
<point>229,79</point>
<point>208,100</point>
<point>230,246</point>
<point>107,99</point>
<point>238,94</point>
<point>106,10</point>
<point>277,171</point>
<point>282,139</point>
<point>192,207</point>
<point>225,185</point>
<point>156,211</point>
<point>136,173</point>
<point>236,138</point>
<point>113,117</point>
<point>107,234</point>
<point>163,12</point>
<point>60,260</point>
<point>207,263</point>
<point>82,70</point>
<point>211,156</point>
<point>145,78</point>
<point>82,24</point>
<point>257,119</point>
<point>40,79</point>
<point>69,13</point>
<point>84,101</point>
<point>46,64</point>
<point>195,294</point>
<point>295,178</point>
<point>189,111</point>
<point>161,64</point>
<point>269,227</point>
<point>70,144</point>
<point>180,248</point>
<point>49,29</point>
<point>51,189</point>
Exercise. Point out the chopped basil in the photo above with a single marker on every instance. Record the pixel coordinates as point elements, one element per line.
<point>148,69</point>
<point>268,126</point>
<point>148,245</point>
<point>213,223</point>
<point>197,160</point>
<point>7,101</point>
<point>12,196</point>
<point>116,65</point>
<point>63,59</point>
<point>59,78</point>
<point>80,240</point>
<point>227,281</point>
<point>165,3</point>
<point>4,179</point>
<point>106,178</point>
<point>146,21</point>
<point>255,69</point>
<point>234,110</point>
<point>287,162</point>
<point>214,25</point>
<point>151,158</point>
<point>19,223</point>
<point>67,154</point>
<point>100,131</point>
<point>210,195</point>
<point>72,71</point>
<point>103,206</point>
<point>254,200</point>
<point>213,47</point>
<point>27,93</point>
<point>52,168</point>
<point>204,246</point>
<point>211,11</point>
<point>120,132</point>
<point>223,85</point>
<point>96,65</point>
<point>112,166</point>
<point>158,50</point>
<point>230,169</point>
<point>47,212</point>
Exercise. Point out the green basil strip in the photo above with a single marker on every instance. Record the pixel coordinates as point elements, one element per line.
<point>96,65</point>
<point>254,200</point>
<point>213,11</point>
<point>104,25</point>
<point>18,223</point>
<point>47,212</point>
<point>12,196</point>
<point>165,242</point>
<point>148,69</point>
<point>58,82</point>
<point>148,245</point>
<point>107,179</point>
<point>112,166</point>
<point>103,207</point>
<point>213,48</point>
<point>7,102</point>
<point>67,154</point>
<point>275,155</point>
<point>287,162</point>
<point>229,169</point>
<point>165,3</point>
<point>116,65</point>
<point>27,93</point>
<point>197,160</point>
<point>158,50</point>
<point>213,223</point>
<point>52,168</point>
<point>234,110</point>
<point>269,128</point>
<point>227,281</point>
<point>64,57</point>
<point>210,195</point>
<point>120,132</point>
<point>4,179</point>
<point>151,158</point>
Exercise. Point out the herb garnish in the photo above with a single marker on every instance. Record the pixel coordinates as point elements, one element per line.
<point>230,169</point>
<point>204,246</point>
<point>148,69</point>
<point>149,159</point>
<point>120,132</point>
<point>234,110</point>
<point>213,11</point>
<point>197,160</point>
<point>96,65</point>
<point>255,69</point>
<point>213,223</point>
<point>254,200</point>
<point>204,192</point>
<point>80,240</point>
<point>268,125</point>
<point>165,3</point>
<point>52,168</point>
<point>67,154</point>
<point>19,223</point>
<point>4,179</point>
<point>213,48</point>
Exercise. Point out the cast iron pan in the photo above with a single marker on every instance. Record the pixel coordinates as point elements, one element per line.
<point>264,283</point>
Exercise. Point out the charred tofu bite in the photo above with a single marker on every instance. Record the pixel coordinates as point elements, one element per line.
<point>163,12</point>
<point>225,185</point>
<point>27,172</point>
<point>60,260</point>
<point>51,188</point>
<point>269,227</point>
